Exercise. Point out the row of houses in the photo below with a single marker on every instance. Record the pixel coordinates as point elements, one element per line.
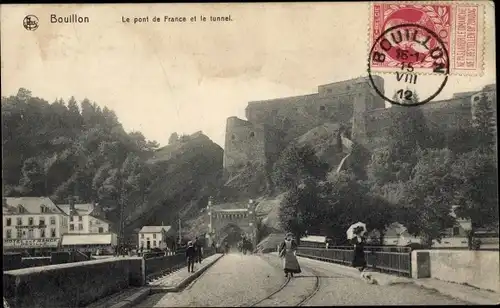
<point>36,224</point>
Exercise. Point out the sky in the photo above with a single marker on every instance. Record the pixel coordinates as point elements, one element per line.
<point>162,78</point>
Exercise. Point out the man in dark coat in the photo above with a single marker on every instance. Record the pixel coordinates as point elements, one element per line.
<point>199,250</point>
<point>190,255</point>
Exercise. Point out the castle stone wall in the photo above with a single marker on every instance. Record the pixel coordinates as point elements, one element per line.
<point>276,122</point>
<point>244,143</point>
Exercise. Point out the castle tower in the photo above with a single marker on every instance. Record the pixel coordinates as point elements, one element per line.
<point>365,99</point>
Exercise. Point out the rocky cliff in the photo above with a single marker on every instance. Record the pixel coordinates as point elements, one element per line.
<point>186,173</point>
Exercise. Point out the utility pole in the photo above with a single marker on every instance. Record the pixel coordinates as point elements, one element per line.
<point>180,232</point>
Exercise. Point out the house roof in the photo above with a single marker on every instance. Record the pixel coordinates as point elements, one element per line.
<point>82,208</point>
<point>87,239</point>
<point>103,220</point>
<point>314,238</point>
<point>155,229</point>
<point>231,210</point>
<point>32,205</point>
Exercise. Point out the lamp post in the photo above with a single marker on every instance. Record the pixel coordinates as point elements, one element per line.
<point>210,225</point>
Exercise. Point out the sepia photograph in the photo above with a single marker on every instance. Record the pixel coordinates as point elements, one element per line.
<point>249,154</point>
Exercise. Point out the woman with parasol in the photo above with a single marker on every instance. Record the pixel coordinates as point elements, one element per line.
<point>356,233</point>
<point>287,252</point>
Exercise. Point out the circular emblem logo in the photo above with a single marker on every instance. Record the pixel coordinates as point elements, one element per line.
<point>30,22</point>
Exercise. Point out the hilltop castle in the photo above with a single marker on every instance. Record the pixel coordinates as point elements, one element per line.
<point>272,124</point>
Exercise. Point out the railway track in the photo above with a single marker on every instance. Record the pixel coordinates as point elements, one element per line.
<point>283,292</point>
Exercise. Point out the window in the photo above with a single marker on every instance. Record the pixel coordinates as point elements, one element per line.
<point>19,233</point>
<point>30,221</point>
<point>9,222</point>
<point>233,137</point>
<point>90,222</point>
<point>19,221</point>
<point>142,235</point>
<point>252,134</point>
<point>30,233</point>
<point>71,218</point>
<point>9,233</point>
<point>42,221</point>
<point>24,234</point>
<point>52,220</point>
<point>142,243</point>
<point>456,231</point>
<point>42,233</point>
<point>154,243</point>
<point>322,108</point>
<point>72,227</point>
<point>154,235</point>
<point>80,227</point>
<point>53,232</point>
<point>42,208</point>
<point>101,230</point>
<point>80,218</point>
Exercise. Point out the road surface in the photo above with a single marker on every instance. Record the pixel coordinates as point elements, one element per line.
<point>249,280</point>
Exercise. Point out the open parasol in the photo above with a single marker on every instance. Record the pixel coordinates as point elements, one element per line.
<point>357,228</point>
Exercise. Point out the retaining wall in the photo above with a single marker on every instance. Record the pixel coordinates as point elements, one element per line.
<point>476,268</point>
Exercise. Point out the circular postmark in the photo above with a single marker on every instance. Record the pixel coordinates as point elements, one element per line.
<point>30,22</point>
<point>411,52</point>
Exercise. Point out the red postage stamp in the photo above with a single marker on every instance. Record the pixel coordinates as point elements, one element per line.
<point>458,27</point>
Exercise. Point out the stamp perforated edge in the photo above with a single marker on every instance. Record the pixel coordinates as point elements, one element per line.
<point>481,50</point>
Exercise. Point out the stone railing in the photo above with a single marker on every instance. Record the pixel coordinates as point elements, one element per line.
<point>162,265</point>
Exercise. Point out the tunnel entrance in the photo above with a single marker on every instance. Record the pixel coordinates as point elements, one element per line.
<point>231,235</point>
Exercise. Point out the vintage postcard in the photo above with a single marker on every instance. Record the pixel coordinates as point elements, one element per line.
<point>249,154</point>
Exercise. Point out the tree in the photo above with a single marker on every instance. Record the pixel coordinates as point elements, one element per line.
<point>300,210</point>
<point>174,137</point>
<point>361,156</point>
<point>379,170</point>
<point>476,192</point>
<point>345,201</point>
<point>33,178</point>
<point>23,94</point>
<point>428,201</point>
<point>297,165</point>
<point>484,124</point>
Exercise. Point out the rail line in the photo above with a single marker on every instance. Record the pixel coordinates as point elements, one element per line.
<point>303,301</point>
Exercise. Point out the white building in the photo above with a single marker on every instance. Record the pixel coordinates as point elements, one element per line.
<point>85,218</point>
<point>155,237</point>
<point>32,223</point>
<point>88,229</point>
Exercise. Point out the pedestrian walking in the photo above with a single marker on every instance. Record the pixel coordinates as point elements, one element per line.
<point>356,234</point>
<point>190,256</point>
<point>287,251</point>
<point>199,250</point>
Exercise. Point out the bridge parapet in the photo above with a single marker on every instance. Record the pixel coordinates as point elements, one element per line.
<point>71,285</point>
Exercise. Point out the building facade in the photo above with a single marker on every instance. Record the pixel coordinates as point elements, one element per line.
<point>32,223</point>
<point>85,218</point>
<point>160,237</point>
<point>88,230</point>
